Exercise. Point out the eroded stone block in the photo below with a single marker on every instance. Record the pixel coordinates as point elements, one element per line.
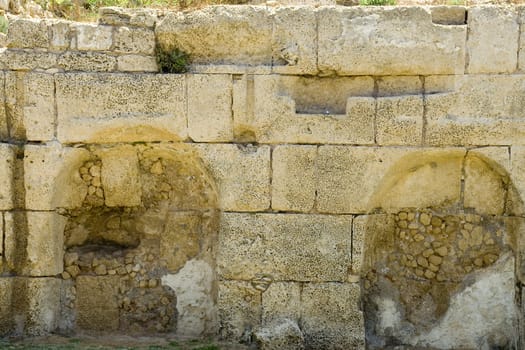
<point>266,244</point>
<point>294,178</point>
<point>3,117</point>
<point>181,239</point>
<point>406,42</point>
<point>294,43</point>
<point>137,63</point>
<point>134,40</point>
<point>483,110</point>
<point>492,43</point>
<point>401,85</point>
<point>6,319</point>
<point>283,334</point>
<point>62,186</point>
<point>30,105</point>
<point>121,107</point>
<point>60,35</point>
<point>239,308</point>
<point>120,177</point>
<point>331,318</point>
<point>242,175</point>
<point>29,59</point>
<point>209,107</point>
<point>310,110</point>
<point>7,157</point>
<point>97,307</point>
<point>212,34</point>
<point>282,300</point>
<point>86,61</point>
<point>399,120</point>
<point>91,37</point>
<point>28,33</point>
<point>43,304</point>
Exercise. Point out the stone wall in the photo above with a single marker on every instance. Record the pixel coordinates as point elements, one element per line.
<point>318,177</point>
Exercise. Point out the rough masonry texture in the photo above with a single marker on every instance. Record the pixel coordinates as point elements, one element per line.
<point>321,178</point>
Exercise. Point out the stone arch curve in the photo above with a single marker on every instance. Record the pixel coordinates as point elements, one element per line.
<point>139,241</point>
<point>441,254</point>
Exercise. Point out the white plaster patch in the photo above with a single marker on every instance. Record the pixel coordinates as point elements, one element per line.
<point>193,285</point>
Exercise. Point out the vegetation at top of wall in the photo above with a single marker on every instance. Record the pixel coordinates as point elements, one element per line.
<point>377,2</point>
<point>174,61</point>
<point>4,23</point>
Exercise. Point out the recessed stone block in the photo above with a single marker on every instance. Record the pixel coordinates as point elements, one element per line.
<point>96,305</point>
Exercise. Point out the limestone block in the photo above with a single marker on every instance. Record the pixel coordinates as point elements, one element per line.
<point>483,110</point>
<point>7,158</point>
<point>406,42</point>
<point>136,17</point>
<point>120,107</point>
<point>402,85</point>
<point>496,157</point>
<point>28,33</point>
<point>358,179</point>
<point>518,170</point>
<point>86,61</point>
<point>92,37</point>
<point>197,312</point>
<point>51,177</point>
<point>282,300</point>
<point>281,335</point>
<point>399,120</point>
<point>134,40</point>
<point>42,296</point>
<point>229,69</point>
<point>239,308</point>
<point>242,174</point>
<point>294,178</point>
<point>96,305</point>
<point>120,176</point>
<point>60,35</point>
<point>521,49</point>
<point>440,83</point>
<point>181,239</point>
<point>6,319</point>
<point>214,34</point>
<point>311,110</point>
<point>294,43</point>
<point>492,44</point>
<point>29,60</point>
<point>266,244</point>
<point>209,107</point>
<point>331,318</point>
<point>448,15</point>
<point>35,242</point>
<point>3,117</point>
<point>30,105</point>
<point>136,63</point>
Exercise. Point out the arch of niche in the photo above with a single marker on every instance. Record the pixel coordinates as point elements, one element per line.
<point>441,255</point>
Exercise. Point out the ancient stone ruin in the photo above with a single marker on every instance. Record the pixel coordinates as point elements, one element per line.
<point>320,177</point>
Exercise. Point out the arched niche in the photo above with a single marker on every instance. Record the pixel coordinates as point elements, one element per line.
<point>139,242</point>
<point>442,255</point>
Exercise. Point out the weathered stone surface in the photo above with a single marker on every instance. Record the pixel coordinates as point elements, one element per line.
<point>137,63</point>
<point>242,174</point>
<point>35,242</point>
<point>3,117</point>
<point>266,244</point>
<point>484,188</point>
<point>120,108</point>
<point>62,186</point>
<point>358,179</point>
<point>400,85</point>
<point>42,296</point>
<point>181,239</point>
<point>406,42</point>
<point>281,335</point>
<point>91,313</point>
<point>294,178</point>
<point>134,40</point>
<point>209,107</point>
<point>120,176</point>
<point>448,15</point>
<point>282,300</point>
<point>86,61</point>
<point>294,43</point>
<point>119,16</point>
<point>492,44</point>
<point>518,171</point>
<point>60,35</point>
<point>196,309</point>
<point>344,328</point>
<point>309,110</point>
<point>7,157</point>
<point>399,120</point>
<point>30,106</point>
<point>6,315</point>
<point>28,59</point>
<point>483,110</point>
<point>441,83</point>
<point>91,37</point>
<point>28,33</point>
<point>212,34</point>
<point>239,308</point>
